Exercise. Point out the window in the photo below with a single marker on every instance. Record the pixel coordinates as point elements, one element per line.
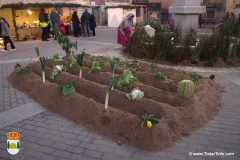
<point>210,14</point>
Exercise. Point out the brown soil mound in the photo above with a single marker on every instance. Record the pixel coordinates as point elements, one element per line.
<point>177,117</point>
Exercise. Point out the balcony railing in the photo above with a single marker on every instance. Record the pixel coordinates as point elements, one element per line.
<point>213,2</point>
<point>139,1</point>
<point>118,1</point>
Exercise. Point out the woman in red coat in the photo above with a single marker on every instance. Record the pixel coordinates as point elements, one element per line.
<point>125,30</point>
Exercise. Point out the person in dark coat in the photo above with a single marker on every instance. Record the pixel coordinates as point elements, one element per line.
<point>5,34</point>
<point>200,20</point>
<point>92,23</point>
<point>76,23</point>
<point>43,18</point>
<point>85,19</point>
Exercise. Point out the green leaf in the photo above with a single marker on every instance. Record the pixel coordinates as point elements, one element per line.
<point>56,57</point>
<point>125,78</point>
<point>18,65</point>
<point>37,52</point>
<point>79,58</point>
<point>141,118</point>
<point>95,68</point>
<point>159,76</point>
<point>24,71</point>
<point>150,115</point>
<point>142,124</point>
<point>153,121</point>
<point>66,89</point>
<point>212,77</point>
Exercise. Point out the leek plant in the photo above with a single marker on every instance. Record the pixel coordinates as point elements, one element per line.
<point>79,59</point>
<point>111,81</point>
<point>43,62</point>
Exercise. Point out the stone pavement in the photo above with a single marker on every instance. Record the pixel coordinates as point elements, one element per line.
<point>46,136</point>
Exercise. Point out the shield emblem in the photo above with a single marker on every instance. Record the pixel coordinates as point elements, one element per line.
<point>13,146</point>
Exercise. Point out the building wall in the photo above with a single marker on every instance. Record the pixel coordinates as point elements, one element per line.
<point>165,3</point>
<point>83,2</point>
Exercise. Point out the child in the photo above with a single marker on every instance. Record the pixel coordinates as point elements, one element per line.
<point>5,35</point>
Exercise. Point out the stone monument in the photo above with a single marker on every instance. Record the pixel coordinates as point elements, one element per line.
<point>186,15</point>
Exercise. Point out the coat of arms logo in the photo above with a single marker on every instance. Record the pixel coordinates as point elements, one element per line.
<point>13,142</point>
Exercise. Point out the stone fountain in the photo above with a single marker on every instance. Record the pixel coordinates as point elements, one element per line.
<point>186,15</point>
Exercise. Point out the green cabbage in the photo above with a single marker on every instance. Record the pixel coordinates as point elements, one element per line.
<point>66,89</point>
<point>125,78</point>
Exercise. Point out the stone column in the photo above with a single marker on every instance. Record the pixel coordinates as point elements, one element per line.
<point>186,15</point>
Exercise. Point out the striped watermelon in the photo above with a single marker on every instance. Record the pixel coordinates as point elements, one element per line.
<point>186,88</point>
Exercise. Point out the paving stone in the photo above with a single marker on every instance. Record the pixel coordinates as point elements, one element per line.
<point>39,119</point>
<point>4,153</point>
<point>75,149</point>
<point>43,130</point>
<point>44,142</point>
<point>29,145</point>
<point>17,157</point>
<point>105,149</point>
<point>62,154</point>
<point>60,146</point>
<point>18,125</point>
<point>105,143</point>
<point>29,138</point>
<point>88,146</point>
<point>46,149</point>
<point>84,139</point>
<point>65,141</point>
<point>91,153</point>
<point>30,127</point>
<point>39,124</point>
<point>48,157</point>
<point>81,157</point>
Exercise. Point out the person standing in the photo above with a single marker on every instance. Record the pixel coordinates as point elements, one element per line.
<point>85,19</point>
<point>76,23</point>
<point>125,29</point>
<point>200,20</point>
<point>92,23</point>
<point>5,34</point>
<point>43,18</point>
<point>54,17</point>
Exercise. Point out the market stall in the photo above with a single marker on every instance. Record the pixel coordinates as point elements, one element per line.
<point>23,19</point>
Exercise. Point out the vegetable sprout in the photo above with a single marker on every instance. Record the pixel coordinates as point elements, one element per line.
<point>79,59</point>
<point>43,62</point>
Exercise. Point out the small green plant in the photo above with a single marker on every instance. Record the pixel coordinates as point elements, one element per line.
<point>212,77</point>
<point>111,82</point>
<point>153,65</point>
<point>79,59</point>
<point>66,89</point>
<point>66,44</point>
<point>92,58</point>
<point>102,59</point>
<point>194,76</point>
<point>137,62</point>
<point>125,78</point>
<point>148,120</point>
<point>95,68</point>
<point>43,62</point>
<point>120,62</point>
<point>74,63</point>
<point>175,74</point>
<point>57,69</point>
<point>24,71</point>
<point>135,94</point>
<point>159,76</point>
<point>18,65</point>
<point>56,57</point>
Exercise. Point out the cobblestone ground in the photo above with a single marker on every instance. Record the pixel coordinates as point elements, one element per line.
<point>48,136</point>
